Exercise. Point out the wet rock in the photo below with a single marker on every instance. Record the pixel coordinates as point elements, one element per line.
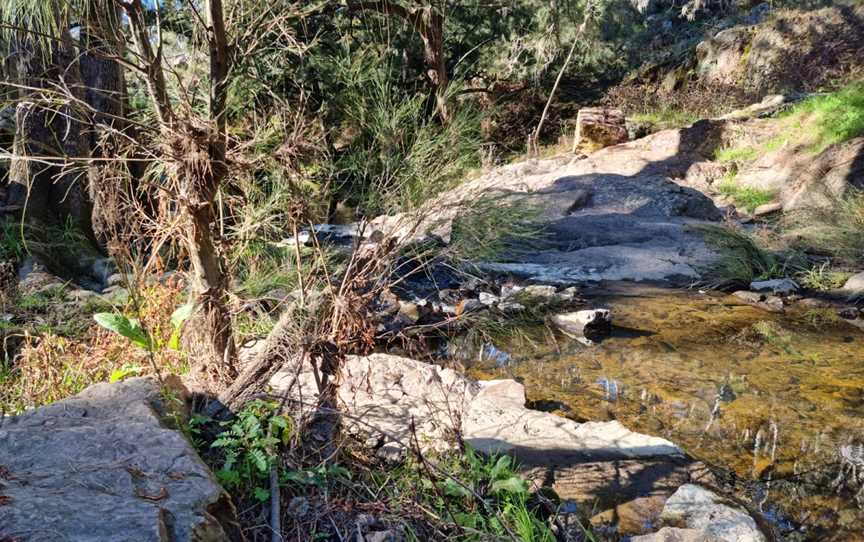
<point>589,324</point>
<point>775,286</point>
<point>102,466</point>
<point>855,283</point>
<point>632,517</point>
<point>770,303</point>
<point>598,127</point>
<point>702,511</point>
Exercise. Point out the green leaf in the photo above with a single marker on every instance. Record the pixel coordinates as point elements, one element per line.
<point>123,372</point>
<point>182,314</point>
<point>125,327</point>
<point>453,489</point>
<point>261,494</point>
<point>502,466</point>
<point>513,485</point>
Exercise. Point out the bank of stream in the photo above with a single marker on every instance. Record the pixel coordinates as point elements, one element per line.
<point>775,399</point>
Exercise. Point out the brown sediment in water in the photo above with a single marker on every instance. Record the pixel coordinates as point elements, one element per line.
<point>771,397</point>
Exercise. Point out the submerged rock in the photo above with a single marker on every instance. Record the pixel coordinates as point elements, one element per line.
<point>102,466</point>
<point>770,303</point>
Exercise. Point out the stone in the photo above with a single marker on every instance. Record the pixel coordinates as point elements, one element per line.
<point>775,286</point>
<point>589,324</point>
<point>855,283</point>
<point>698,508</point>
<point>768,209</point>
<point>410,311</point>
<point>511,307</point>
<point>102,465</point>
<point>116,279</point>
<point>770,303</point>
<point>469,305</point>
<point>597,128</point>
<point>674,534</point>
<point>540,291</point>
<point>487,299</point>
<point>383,395</point>
<point>581,199</point>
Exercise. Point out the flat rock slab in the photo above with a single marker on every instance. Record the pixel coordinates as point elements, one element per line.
<point>618,214</point>
<point>102,466</point>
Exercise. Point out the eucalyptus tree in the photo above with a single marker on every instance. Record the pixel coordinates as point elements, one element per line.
<point>178,130</point>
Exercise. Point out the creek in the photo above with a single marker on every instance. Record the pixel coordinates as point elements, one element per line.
<point>774,399</point>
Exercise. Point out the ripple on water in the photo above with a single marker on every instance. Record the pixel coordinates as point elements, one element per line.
<point>768,396</point>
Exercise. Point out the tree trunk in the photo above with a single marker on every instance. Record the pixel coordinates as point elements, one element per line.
<point>105,92</point>
<point>431,29</point>
<point>209,278</point>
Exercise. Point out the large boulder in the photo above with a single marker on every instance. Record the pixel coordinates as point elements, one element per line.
<point>793,50</point>
<point>617,214</point>
<point>103,465</point>
<point>395,402</point>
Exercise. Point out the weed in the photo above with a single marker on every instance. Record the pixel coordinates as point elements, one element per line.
<point>822,277</point>
<point>820,319</point>
<point>741,261</point>
<point>40,301</point>
<point>744,196</point>
<point>837,117</point>
<point>836,231</point>
<point>492,226</point>
<point>665,118</point>
<point>734,155</point>
<point>766,332</point>
<point>250,444</point>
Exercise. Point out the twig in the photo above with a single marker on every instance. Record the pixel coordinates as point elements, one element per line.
<point>275,505</point>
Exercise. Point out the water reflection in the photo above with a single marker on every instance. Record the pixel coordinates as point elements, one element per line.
<point>777,398</point>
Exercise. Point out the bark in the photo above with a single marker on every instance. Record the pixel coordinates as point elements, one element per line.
<point>209,279</point>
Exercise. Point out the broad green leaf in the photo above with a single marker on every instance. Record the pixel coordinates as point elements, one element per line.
<point>502,466</point>
<point>514,485</point>
<point>454,489</point>
<point>123,372</point>
<point>182,314</point>
<point>125,327</point>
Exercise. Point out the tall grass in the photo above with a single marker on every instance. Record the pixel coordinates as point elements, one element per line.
<point>836,231</point>
<point>395,156</point>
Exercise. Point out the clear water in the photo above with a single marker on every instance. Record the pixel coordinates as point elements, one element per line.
<point>777,399</point>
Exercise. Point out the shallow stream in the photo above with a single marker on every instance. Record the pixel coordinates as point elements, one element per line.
<point>776,399</point>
